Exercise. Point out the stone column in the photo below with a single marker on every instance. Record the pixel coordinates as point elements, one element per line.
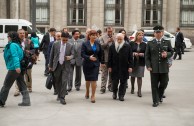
<point>97,14</point>
<point>3,9</point>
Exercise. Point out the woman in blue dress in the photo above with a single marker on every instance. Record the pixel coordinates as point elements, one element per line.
<point>92,55</point>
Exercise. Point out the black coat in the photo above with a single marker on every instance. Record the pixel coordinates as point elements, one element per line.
<point>179,39</point>
<point>45,43</point>
<point>120,62</point>
<point>141,60</point>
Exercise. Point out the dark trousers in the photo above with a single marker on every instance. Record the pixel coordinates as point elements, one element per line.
<point>61,78</point>
<point>46,63</point>
<point>11,76</point>
<point>178,52</point>
<point>78,74</point>
<point>122,86</point>
<point>182,47</point>
<point>159,82</point>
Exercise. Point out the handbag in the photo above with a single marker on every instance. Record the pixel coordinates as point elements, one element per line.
<point>49,81</point>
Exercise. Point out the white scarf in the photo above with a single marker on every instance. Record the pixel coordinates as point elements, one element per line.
<point>119,45</point>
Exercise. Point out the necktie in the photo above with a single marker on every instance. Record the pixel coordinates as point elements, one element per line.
<point>62,54</point>
<point>75,43</point>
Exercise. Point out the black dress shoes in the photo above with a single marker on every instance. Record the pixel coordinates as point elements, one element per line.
<point>121,98</point>
<point>62,101</point>
<point>164,96</point>
<point>114,96</point>
<point>77,89</point>
<point>69,90</point>
<point>155,104</point>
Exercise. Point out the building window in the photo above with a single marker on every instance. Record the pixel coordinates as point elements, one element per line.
<point>114,12</point>
<point>152,12</point>
<point>77,10</point>
<point>42,11</point>
<point>187,13</point>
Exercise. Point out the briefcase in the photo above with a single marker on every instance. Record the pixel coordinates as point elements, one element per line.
<point>49,81</point>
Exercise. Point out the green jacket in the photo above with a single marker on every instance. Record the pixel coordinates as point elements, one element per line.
<point>153,57</point>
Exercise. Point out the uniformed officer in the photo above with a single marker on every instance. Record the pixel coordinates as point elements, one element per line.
<point>157,53</point>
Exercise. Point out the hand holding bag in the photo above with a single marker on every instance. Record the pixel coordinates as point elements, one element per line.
<point>49,81</point>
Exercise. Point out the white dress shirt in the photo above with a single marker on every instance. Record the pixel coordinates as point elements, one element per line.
<point>62,53</point>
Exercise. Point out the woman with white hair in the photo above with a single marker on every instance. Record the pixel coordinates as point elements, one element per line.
<point>120,64</point>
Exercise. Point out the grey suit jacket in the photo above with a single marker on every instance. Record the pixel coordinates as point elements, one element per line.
<point>105,45</point>
<point>77,60</point>
<point>55,52</point>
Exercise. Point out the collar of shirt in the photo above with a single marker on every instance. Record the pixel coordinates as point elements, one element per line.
<point>23,45</point>
<point>51,38</point>
<point>159,40</point>
<point>63,44</point>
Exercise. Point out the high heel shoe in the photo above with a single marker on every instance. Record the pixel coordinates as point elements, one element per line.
<point>132,90</point>
<point>87,97</point>
<point>139,94</point>
<point>93,100</point>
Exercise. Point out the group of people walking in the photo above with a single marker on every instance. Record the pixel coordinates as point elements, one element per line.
<point>114,55</point>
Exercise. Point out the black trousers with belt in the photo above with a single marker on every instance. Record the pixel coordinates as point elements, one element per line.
<point>159,82</point>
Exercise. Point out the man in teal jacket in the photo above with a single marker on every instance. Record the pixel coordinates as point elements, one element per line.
<point>13,54</point>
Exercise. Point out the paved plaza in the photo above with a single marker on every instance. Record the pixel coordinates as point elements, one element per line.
<point>176,110</point>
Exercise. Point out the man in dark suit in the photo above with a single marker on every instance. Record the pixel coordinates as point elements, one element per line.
<point>61,54</point>
<point>157,53</point>
<point>49,37</point>
<point>76,62</point>
<point>120,64</point>
<point>178,44</point>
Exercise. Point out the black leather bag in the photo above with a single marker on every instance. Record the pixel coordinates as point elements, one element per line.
<point>49,81</point>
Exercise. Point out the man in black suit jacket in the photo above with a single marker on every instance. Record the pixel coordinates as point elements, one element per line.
<point>178,44</point>
<point>49,37</point>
